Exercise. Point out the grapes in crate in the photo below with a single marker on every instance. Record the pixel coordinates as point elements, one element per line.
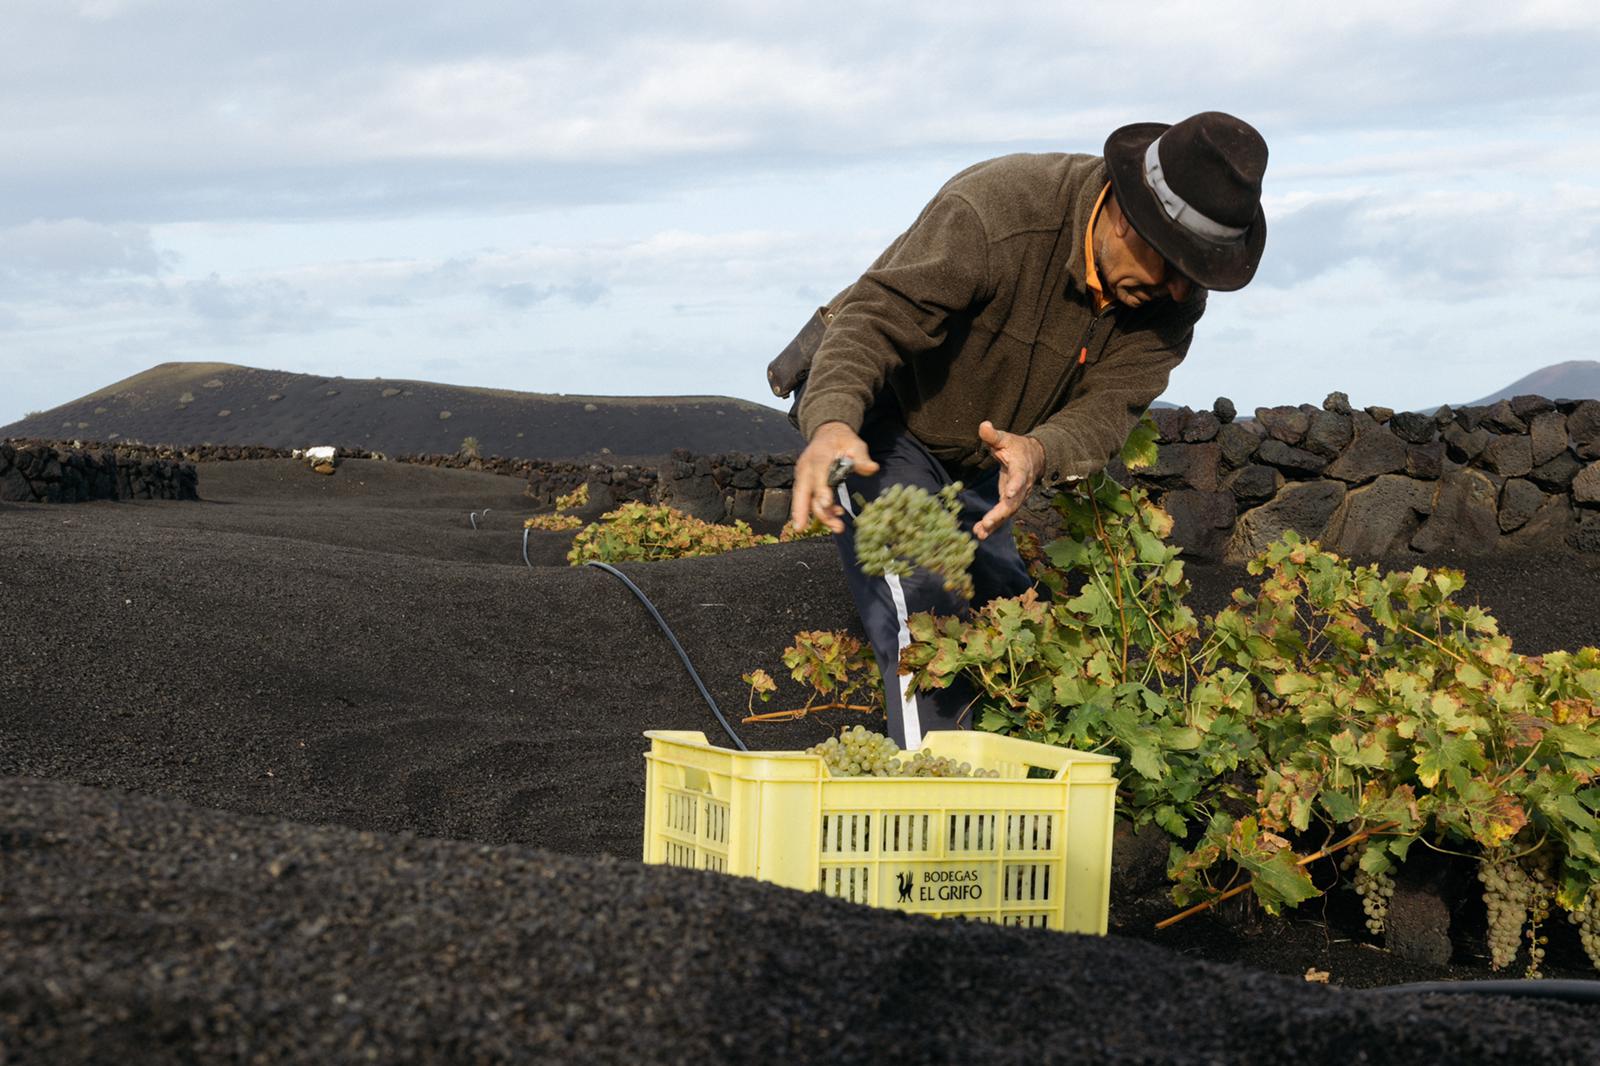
<point>859,752</point>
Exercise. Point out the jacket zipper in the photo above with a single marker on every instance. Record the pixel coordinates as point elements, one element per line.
<point>1073,370</point>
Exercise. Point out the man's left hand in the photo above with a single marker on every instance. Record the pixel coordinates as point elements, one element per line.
<point>1021,467</point>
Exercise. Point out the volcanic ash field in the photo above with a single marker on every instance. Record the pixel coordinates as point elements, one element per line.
<point>313,771</point>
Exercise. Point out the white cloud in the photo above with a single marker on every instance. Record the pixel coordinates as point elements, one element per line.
<point>300,108</point>
<point>73,248</point>
<point>410,182</point>
<point>231,310</point>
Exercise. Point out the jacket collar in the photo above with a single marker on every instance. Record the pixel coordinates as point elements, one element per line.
<point>1079,199</point>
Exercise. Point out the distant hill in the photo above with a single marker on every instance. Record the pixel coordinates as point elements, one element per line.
<point>1578,379</point>
<point>219,403</point>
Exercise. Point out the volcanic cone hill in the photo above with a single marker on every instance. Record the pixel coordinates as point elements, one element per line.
<point>1575,379</point>
<point>184,404</point>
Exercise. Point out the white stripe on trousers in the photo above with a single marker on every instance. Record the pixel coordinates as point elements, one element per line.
<point>910,715</point>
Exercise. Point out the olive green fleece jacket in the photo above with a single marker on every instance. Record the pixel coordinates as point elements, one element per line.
<point>980,311</point>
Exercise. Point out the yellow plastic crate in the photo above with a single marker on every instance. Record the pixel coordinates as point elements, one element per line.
<point>1016,850</point>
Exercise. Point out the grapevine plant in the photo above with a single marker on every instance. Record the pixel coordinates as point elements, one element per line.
<point>1334,711</point>
<point>642,532</point>
<point>837,669</point>
<point>558,521</point>
<point>1335,702</point>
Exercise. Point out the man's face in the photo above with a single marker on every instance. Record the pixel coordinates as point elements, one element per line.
<point>1131,272</point>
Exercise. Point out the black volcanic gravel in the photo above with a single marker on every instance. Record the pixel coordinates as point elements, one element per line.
<point>182,650</point>
<point>144,930</point>
<point>349,651</point>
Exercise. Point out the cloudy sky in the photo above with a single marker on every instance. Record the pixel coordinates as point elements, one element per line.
<point>626,198</point>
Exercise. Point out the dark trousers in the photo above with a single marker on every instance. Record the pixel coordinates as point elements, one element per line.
<point>886,602</point>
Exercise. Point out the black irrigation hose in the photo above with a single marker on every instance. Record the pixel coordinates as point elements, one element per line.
<point>687,665</point>
<point>1565,991</point>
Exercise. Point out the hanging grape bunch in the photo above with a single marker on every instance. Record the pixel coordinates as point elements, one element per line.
<point>1507,894</point>
<point>1587,919</point>
<point>859,752</point>
<point>906,527</point>
<point>1375,891</point>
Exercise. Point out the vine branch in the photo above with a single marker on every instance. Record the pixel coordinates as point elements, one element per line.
<point>1353,838</point>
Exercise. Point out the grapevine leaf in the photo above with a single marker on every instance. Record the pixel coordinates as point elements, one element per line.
<point>1340,807</point>
<point>760,682</point>
<point>1288,684</point>
<point>1167,818</point>
<point>1278,880</point>
<point>1375,858</point>
<point>1576,741</point>
<point>1574,812</point>
<point>1180,738</point>
<point>1066,552</point>
<point>1454,755</point>
<point>1371,752</point>
<point>1145,757</point>
<point>1140,452</point>
<point>1092,602</point>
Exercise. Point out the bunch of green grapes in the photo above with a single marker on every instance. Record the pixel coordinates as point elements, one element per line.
<point>905,528</point>
<point>1375,891</point>
<point>1587,919</point>
<point>859,752</point>
<point>1508,892</point>
<point>921,764</point>
<point>1540,898</point>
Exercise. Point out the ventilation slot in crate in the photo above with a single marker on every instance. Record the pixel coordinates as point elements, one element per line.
<point>907,834</point>
<point>1028,921</point>
<point>846,882</point>
<point>681,811</point>
<point>1027,882</point>
<point>846,834</point>
<point>716,822</point>
<point>1030,832</point>
<point>972,833</point>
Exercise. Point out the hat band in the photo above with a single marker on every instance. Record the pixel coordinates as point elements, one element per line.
<point>1178,209</point>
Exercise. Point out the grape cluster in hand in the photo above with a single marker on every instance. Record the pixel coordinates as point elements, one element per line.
<point>906,527</point>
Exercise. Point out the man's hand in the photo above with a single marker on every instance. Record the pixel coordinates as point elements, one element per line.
<point>1021,467</point>
<point>813,498</point>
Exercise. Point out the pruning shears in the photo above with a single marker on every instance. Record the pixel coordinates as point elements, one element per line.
<point>840,469</point>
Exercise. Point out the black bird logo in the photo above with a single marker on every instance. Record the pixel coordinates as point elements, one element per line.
<point>905,886</point>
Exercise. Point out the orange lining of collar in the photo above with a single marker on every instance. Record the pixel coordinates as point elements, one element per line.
<point>1092,275</point>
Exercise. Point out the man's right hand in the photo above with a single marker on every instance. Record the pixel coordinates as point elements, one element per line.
<point>813,498</point>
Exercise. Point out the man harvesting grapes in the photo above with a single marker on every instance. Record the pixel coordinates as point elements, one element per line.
<point>1014,335</point>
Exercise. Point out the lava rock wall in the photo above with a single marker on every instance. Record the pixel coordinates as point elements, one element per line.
<point>1374,483</point>
<point>1369,484</point>
<point>45,473</point>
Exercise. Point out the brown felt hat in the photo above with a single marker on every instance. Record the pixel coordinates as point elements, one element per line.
<point>1193,192</point>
